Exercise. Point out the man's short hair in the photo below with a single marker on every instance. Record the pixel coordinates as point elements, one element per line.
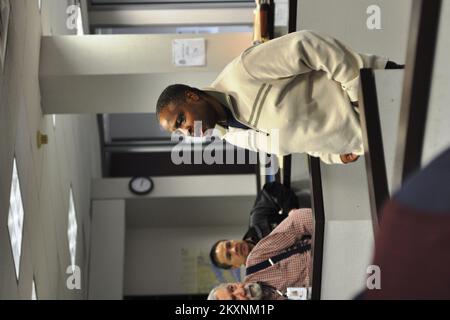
<point>175,93</point>
<point>214,259</point>
<point>212,293</point>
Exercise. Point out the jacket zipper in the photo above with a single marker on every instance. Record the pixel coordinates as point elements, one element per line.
<point>245,124</point>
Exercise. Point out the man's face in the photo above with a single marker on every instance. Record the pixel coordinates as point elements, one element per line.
<point>233,252</point>
<point>240,291</point>
<point>181,117</point>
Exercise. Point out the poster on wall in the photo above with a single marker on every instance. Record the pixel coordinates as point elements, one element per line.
<point>5,9</point>
<point>189,52</point>
<point>200,275</point>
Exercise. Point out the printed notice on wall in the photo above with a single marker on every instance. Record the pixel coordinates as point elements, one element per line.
<point>189,52</point>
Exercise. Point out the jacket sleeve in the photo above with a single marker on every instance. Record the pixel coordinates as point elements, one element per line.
<point>303,51</point>
<point>252,140</point>
<point>328,158</point>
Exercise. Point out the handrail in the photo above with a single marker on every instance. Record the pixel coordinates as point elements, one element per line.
<point>373,145</point>
<point>319,226</point>
<point>416,87</point>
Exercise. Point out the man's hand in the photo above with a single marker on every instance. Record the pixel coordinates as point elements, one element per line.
<point>349,157</point>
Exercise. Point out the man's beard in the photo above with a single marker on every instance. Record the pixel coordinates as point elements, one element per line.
<point>267,291</point>
<point>253,291</point>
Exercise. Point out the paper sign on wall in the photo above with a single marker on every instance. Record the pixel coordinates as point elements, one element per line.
<point>189,52</point>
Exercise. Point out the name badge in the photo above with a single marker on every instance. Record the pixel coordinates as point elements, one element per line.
<point>297,293</point>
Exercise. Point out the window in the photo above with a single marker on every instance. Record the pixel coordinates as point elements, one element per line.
<point>15,219</point>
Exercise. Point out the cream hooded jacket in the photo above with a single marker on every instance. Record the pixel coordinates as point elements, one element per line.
<point>295,92</point>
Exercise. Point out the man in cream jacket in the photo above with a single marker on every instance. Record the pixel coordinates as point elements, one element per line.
<point>292,94</point>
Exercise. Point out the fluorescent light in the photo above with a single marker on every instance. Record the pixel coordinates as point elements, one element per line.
<point>80,30</point>
<point>72,231</point>
<point>15,219</point>
<point>33,292</point>
<point>54,121</point>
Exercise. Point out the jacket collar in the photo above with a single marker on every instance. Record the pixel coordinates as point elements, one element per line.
<point>225,100</point>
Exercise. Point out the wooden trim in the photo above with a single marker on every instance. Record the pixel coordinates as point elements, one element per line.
<point>319,226</point>
<point>416,87</point>
<point>373,145</point>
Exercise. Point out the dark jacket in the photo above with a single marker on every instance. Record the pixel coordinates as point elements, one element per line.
<point>272,205</point>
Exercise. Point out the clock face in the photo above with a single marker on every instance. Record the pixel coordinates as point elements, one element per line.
<point>141,185</point>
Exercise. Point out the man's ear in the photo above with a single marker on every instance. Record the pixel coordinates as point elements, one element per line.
<point>192,96</point>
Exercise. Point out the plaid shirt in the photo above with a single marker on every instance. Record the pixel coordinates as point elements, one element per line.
<point>290,272</point>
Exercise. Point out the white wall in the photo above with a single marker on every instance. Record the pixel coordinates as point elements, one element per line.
<point>348,252</point>
<point>185,212</point>
<point>107,254</point>
<point>53,14</point>
<point>348,242</point>
<point>437,133</point>
<point>389,105</point>
<point>54,17</point>
<point>346,20</point>
<point>183,186</point>
<point>299,169</point>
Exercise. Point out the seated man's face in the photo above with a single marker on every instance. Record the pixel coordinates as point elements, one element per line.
<point>233,252</point>
<point>181,117</point>
<point>240,291</point>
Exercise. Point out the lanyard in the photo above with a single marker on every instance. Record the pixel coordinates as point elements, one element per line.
<point>273,290</point>
<point>297,248</point>
<point>284,295</point>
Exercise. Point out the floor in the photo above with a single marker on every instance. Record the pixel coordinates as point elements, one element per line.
<point>70,159</point>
